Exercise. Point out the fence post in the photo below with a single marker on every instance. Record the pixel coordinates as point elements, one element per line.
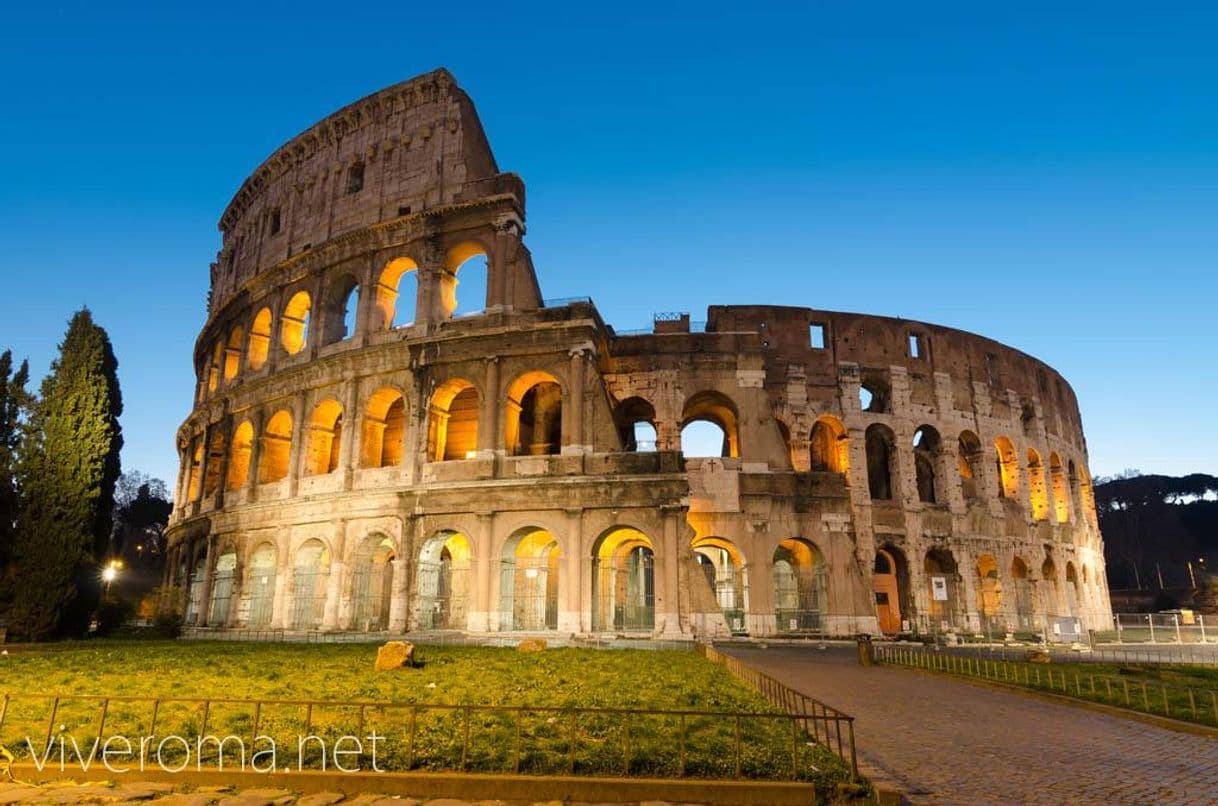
<point>1176,618</point>
<point>1150,619</point>
<point>1201,624</point>
<point>1117,618</point>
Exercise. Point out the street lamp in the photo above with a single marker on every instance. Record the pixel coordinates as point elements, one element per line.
<point>110,573</point>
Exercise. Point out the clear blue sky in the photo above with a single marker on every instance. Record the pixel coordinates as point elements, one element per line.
<point>1044,174</point>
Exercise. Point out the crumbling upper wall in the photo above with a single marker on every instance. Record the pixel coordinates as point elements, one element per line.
<point>412,147</point>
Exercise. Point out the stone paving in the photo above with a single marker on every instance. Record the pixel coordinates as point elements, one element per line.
<point>948,741</point>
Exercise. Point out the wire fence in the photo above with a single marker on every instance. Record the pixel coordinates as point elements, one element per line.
<point>176,733</point>
<point>1185,627</point>
<point>1192,703</point>
<point>823,723</point>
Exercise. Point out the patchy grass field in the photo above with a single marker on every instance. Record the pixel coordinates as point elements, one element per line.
<point>431,735</point>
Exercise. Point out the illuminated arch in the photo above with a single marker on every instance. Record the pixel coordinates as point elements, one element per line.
<point>384,429</point>
<point>529,578</point>
<point>223,585</point>
<point>968,452</point>
<point>727,574</point>
<point>340,309</point>
<point>718,410</point>
<point>636,424</point>
<point>942,578</point>
<point>276,448</point>
<point>260,340</point>
<point>830,446</point>
<point>623,581</point>
<point>1038,496</point>
<point>1023,592</point>
<point>1061,493</point>
<point>394,305</point>
<point>801,583</point>
<point>533,417</point>
<point>371,583</point>
<point>239,456</point>
<point>215,460</point>
<point>310,573</point>
<point>890,584</point>
<point>468,263</point>
<point>1008,468</point>
<point>232,356</point>
<point>442,582</point>
<point>323,441</point>
<point>294,324</point>
<point>452,421</point>
<point>215,368</point>
<point>989,587</point>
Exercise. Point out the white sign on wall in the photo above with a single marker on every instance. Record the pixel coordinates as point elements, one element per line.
<point>938,588</point>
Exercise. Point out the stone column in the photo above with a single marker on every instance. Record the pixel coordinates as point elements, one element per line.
<point>570,586</point>
<point>297,452</point>
<point>334,592</point>
<point>488,419</point>
<point>225,460</point>
<point>573,417</point>
<point>668,594</point>
<point>483,600</point>
<point>204,463</point>
<point>251,478</point>
<point>399,596</point>
<point>352,432</point>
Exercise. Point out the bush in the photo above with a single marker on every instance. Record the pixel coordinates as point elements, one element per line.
<point>113,614</point>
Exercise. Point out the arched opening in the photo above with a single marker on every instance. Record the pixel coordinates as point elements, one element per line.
<point>1087,496</point>
<point>232,355</point>
<point>309,577</point>
<point>372,584</point>
<point>442,583</point>
<point>294,324</point>
<point>261,585</point>
<point>1038,496</point>
<point>260,340</point>
<point>1008,469</point>
<point>727,574</point>
<point>710,427</point>
<point>989,591</point>
<point>881,462</point>
<point>222,587</point>
<point>534,415</point>
<point>874,394</point>
<point>942,577</point>
<point>452,422</point>
<point>927,449</point>
<point>1061,495</point>
<point>397,291</point>
<point>830,447</point>
<point>890,583</point>
<point>1072,480</point>
<point>464,283</point>
<point>1023,593</point>
<point>800,586</point>
<point>340,309</point>
<point>528,581</point>
<point>623,582</point>
<point>276,448</point>
<point>215,367</point>
<point>239,460</point>
<point>215,461</point>
<point>384,429</point>
<point>324,439</point>
<point>636,419</point>
<point>196,467</point>
<point>969,462</point>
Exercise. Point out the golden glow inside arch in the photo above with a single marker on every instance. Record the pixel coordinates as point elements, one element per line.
<point>1061,491</point>
<point>533,416</point>
<point>276,448</point>
<point>294,329</point>
<point>452,421</point>
<point>388,295</point>
<point>1008,468</point>
<point>324,439</point>
<point>239,459</point>
<point>1037,494</point>
<point>260,340</point>
<point>384,429</point>
<point>829,445</point>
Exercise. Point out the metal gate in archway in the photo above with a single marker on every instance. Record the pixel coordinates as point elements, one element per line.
<point>625,592</point>
<point>371,596</point>
<point>441,595</point>
<point>529,592</point>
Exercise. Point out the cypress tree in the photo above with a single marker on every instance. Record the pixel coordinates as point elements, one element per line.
<point>68,468</point>
<point>13,402</point>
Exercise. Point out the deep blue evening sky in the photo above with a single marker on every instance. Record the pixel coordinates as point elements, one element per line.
<point>1044,174</point>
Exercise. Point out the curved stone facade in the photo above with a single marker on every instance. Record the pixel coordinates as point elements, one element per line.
<point>352,466</point>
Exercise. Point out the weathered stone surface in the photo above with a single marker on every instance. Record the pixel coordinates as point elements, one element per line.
<point>320,799</point>
<point>531,645</point>
<point>536,436</point>
<point>394,655</point>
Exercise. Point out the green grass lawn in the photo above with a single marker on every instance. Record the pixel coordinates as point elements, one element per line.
<point>499,740</point>
<point>1189,693</point>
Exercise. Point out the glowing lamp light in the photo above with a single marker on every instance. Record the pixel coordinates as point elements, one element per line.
<point>471,454</point>
<point>109,573</point>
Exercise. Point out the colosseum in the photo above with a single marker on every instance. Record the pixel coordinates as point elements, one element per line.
<point>393,431</point>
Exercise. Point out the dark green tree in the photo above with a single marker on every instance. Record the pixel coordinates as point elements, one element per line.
<point>14,399</point>
<point>67,472</point>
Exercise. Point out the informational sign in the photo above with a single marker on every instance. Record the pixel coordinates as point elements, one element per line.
<point>938,588</point>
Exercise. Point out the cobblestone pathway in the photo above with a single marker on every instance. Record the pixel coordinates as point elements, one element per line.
<point>947,741</point>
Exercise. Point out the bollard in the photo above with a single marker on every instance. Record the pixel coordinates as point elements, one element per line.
<point>866,650</point>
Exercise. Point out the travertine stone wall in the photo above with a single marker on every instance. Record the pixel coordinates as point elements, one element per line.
<point>516,496</point>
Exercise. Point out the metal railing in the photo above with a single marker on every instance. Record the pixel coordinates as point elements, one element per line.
<point>1159,628</point>
<point>427,736</point>
<point>1180,702</point>
<point>559,302</point>
<point>823,723</point>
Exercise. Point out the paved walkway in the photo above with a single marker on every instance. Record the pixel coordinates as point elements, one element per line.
<point>948,741</point>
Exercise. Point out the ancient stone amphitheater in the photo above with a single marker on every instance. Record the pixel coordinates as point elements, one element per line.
<point>365,457</point>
